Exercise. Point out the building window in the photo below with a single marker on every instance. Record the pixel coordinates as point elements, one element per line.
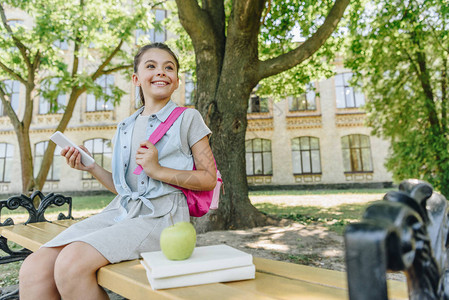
<point>189,89</point>
<point>94,103</point>
<point>306,101</point>
<point>54,173</point>
<point>306,155</point>
<point>257,104</point>
<point>6,157</point>
<point>157,34</point>
<point>12,89</point>
<point>63,45</point>
<point>347,96</point>
<point>258,157</point>
<point>102,153</point>
<point>51,105</point>
<point>356,153</point>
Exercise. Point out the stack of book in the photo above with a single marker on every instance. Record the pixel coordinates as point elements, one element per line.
<point>208,264</point>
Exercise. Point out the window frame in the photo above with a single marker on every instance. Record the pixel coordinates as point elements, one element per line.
<point>310,156</point>
<point>61,100</point>
<point>309,91</point>
<point>7,162</point>
<point>56,155</point>
<point>95,154</point>
<point>354,92</point>
<point>261,152</point>
<point>107,87</point>
<point>12,89</point>
<point>353,149</point>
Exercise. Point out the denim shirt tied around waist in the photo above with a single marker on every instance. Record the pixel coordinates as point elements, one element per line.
<point>169,154</point>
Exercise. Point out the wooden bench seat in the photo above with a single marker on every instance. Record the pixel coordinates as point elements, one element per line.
<point>274,279</point>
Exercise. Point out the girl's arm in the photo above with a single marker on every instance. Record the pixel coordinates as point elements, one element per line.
<point>204,178</point>
<point>73,159</point>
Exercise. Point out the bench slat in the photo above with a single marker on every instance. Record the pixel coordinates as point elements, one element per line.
<point>30,237</point>
<point>396,289</point>
<point>289,289</point>
<point>65,223</point>
<point>129,280</point>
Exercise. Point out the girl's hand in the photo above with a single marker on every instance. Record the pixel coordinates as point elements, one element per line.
<point>73,158</point>
<point>147,157</point>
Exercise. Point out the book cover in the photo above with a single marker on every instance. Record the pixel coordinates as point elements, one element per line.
<point>203,259</point>
<point>223,275</point>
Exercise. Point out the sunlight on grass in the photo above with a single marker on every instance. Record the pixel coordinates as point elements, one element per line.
<point>335,218</point>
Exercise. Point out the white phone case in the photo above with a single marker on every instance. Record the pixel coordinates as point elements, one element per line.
<point>62,141</point>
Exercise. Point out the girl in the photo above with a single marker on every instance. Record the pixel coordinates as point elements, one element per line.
<point>66,266</point>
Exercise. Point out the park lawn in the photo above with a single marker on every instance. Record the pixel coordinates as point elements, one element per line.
<point>335,218</point>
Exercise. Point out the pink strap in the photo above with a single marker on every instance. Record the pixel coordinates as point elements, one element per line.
<point>161,130</point>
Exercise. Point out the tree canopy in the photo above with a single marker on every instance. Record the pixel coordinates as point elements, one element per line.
<point>399,50</point>
<point>237,44</point>
<point>98,35</point>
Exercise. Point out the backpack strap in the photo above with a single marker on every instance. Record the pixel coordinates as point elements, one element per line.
<point>161,130</point>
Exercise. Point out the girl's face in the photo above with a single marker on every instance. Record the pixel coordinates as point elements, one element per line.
<point>157,75</point>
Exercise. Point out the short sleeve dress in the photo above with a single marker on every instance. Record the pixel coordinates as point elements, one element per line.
<point>140,228</point>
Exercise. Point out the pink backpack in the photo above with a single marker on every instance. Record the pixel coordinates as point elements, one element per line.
<point>199,202</point>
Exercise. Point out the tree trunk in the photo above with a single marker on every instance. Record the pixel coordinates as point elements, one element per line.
<point>26,159</point>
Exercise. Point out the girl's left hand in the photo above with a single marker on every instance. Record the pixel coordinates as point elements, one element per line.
<point>147,157</point>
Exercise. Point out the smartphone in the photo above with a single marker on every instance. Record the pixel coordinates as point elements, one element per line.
<point>62,141</point>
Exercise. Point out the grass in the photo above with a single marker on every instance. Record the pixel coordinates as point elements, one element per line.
<point>318,192</point>
<point>335,218</point>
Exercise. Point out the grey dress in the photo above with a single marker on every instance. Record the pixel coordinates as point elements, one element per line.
<point>140,230</point>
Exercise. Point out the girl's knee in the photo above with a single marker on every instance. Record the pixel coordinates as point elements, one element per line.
<point>74,260</point>
<point>37,266</point>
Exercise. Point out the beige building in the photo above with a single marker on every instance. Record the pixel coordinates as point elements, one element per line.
<point>318,138</point>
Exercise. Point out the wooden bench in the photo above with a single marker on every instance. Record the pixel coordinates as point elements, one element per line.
<point>274,279</point>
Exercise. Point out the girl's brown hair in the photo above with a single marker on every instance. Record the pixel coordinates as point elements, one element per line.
<point>144,49</point>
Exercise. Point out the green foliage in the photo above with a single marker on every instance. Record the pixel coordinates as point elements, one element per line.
<point>399,50</point>
<point>286,25</point>
<point>95,27</point>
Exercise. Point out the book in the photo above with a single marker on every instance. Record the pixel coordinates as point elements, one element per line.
<point>223,275</point>
<point>203,259</point>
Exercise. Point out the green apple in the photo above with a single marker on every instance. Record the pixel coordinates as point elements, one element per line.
<point>178,241</point>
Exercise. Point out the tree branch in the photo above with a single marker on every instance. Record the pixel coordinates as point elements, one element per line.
<point>109,71</point>
<point>246,11</point>
<point>308,48</point>
<point>194,20</point>
<point>22,48</point>
<point>12,73</point>
<point>8,108</point>
<point>99,71</point>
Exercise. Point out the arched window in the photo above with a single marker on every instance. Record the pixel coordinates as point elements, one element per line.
<point>6,157</point>
<point>356,153</point>
<point>306,155</point>
<point>258,157</point>
<point>101,151</point>
<point>54,173</point>
<point>347,96</point>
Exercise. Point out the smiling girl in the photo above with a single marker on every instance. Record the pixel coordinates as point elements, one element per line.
<point>131,224</point>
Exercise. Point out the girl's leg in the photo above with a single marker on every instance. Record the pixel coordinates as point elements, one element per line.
<point>75,272</point>
<point>36,277</point>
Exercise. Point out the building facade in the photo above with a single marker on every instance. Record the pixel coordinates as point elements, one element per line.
<point>319,138</point>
